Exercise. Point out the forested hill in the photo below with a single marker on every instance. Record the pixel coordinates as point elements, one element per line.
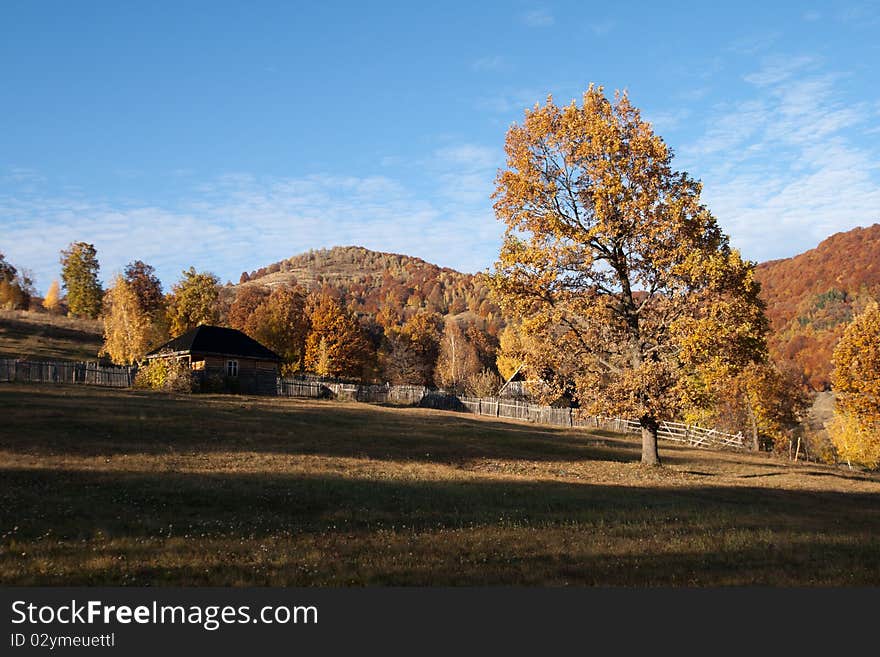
<point>370,281</point>
<point>812,296</point>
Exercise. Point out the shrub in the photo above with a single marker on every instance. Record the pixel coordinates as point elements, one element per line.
<point>165,374</point>
<point>483,384</point>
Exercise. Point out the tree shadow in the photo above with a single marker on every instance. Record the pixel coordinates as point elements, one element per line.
<point>86,422</point>
<point>71,513</point>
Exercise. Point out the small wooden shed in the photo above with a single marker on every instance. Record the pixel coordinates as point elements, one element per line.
<point>224,356</point>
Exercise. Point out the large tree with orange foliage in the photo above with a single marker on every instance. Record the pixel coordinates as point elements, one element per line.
<point>611,257</point>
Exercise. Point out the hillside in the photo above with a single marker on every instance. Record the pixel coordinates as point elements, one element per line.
<point>30,334</point>
<point>372,281</point>
<point>812,296</point>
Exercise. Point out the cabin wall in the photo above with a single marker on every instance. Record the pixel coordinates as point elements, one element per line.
<point>255,377</point>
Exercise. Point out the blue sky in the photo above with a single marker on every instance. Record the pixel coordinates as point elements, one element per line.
<point>231,135</point>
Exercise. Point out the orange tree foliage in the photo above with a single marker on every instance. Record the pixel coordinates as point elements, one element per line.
<point>276,318</point>
<point>610,257</point>
<point>143,280</point>
<point>812,297</point>
<point>16,288</point>
<point>389,286</point>
<point>336,346</point>
<point>762,401</point>
<point>409,352</point>
<point>856,380</point>
<point>241,310</point>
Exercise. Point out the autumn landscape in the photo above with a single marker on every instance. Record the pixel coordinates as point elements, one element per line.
<point>634,341</point>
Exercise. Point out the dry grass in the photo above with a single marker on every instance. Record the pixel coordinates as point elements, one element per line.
<point>123,487</point>
<point>38,335</point>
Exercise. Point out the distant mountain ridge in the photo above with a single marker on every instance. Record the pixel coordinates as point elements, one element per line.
<point>811,298</point>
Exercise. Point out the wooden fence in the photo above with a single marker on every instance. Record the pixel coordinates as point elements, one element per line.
<point>95,374</point>
<point>375,394</point>
<point>301,388</point>
<point>123,377</point>
<point>568,417</point>
<point>505,408</point>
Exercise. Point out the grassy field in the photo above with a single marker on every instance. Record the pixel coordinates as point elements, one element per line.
<point>43,336</point>
<point>124,487</point>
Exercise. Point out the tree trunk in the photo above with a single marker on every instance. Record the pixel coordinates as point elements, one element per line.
<point>756,445</point>
<point>650,455</point>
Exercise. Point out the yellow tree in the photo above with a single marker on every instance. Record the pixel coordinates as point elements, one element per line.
<point>194,300</point>
<point>409,352</point>
<point>512,351</point>
<point>610,256</point>
<point>458,360</point>
<point>16,287</point>
<point>763,401</point>
<point>281,323</point>
<point>127,327</point>
<point>336,345</point>
<point>52,300</point>
<point>855,430</point>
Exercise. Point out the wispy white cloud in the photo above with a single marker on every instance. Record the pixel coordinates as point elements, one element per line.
<point>664,121</point>
<point>466,173</point>
<point>781,168</point>
<point>778,69</point>
<point>538,17</point>
<point>239,222</point>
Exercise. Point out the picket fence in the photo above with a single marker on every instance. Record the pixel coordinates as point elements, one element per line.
<point>692,435</point>
<point>89,373</point>
<point>85,373</point>
<point>505,408</point>
<point>375,394</point>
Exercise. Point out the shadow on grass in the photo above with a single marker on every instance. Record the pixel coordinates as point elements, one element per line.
<point>71,420</point>
<point>505,524</point>
<point>74,503</point>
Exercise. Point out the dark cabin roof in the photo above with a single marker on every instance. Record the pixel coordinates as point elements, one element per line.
<point>215,340</point>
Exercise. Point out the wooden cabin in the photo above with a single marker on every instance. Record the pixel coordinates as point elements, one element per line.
<point>224,358</point>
